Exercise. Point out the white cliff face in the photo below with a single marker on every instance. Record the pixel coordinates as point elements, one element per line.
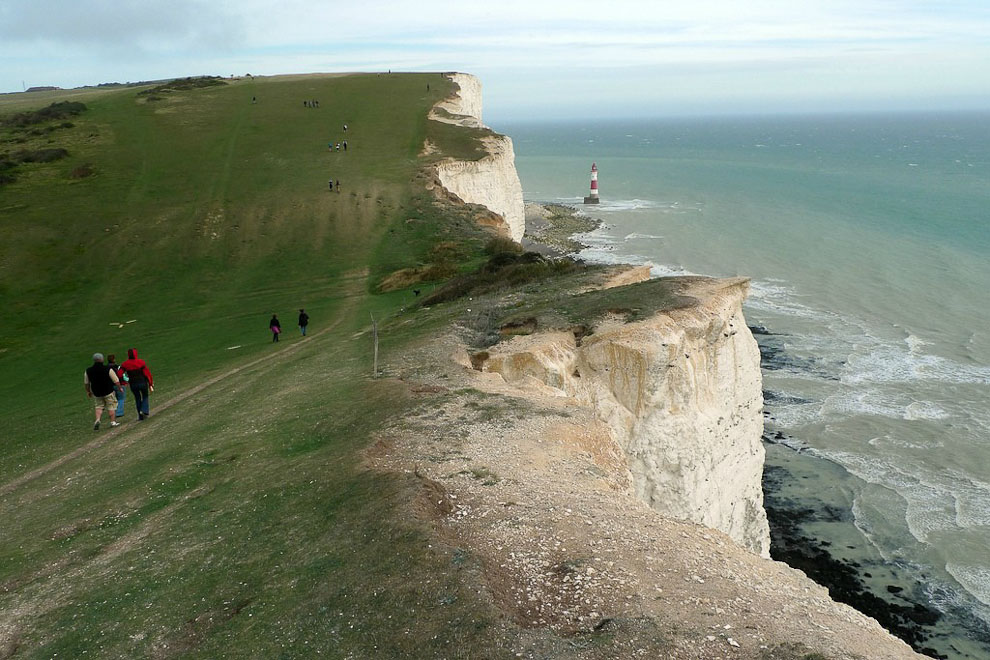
<point>491,181</point>
<point>682,393</point>
<point>465,104</point>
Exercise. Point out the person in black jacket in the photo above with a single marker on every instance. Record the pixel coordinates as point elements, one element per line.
<point>100,381</point>
<point>303,321</point>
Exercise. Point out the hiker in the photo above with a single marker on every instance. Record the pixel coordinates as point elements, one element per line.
<point>338,185</point>
<point>331,185</point>
<point>100,381</point>
<point>338,146</point>
<point>119,390</point>
<point>345,128</point>
<point>254,99</point>
<point>303,321</point>
<point>141,382</point>
<point>275,327</point>
<point>344,144</point>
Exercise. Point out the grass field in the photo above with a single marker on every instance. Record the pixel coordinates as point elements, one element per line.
<point>237,521</point>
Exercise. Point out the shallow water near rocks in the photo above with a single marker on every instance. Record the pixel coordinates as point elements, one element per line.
<point>868,241</point>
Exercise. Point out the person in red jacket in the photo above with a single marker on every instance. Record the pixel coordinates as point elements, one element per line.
<point>142,384</point>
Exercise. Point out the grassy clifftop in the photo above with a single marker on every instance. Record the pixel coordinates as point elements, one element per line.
<point>238,520</point>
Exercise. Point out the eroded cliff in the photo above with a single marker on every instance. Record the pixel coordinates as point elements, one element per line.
<point>491,181</point>
<point>680,392</point>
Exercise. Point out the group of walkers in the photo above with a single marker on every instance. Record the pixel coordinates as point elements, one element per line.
<point>335,146</point>
<point>276,327</point>
<point>105,383</point>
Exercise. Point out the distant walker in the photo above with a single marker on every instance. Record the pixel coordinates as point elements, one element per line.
<point>592,198</point>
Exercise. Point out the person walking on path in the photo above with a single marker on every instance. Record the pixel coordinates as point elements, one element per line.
<point>141,382</point>
<point>303,321</point>
<point>275,327</point>
<point>120,390</point>
<point>100,381</point>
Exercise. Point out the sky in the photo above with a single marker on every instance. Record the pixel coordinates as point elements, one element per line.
<point>537,59</point>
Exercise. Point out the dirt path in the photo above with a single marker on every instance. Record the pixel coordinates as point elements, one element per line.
<point>354,286</point>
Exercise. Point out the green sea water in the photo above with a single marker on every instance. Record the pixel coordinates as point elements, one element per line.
<point>867,239</point>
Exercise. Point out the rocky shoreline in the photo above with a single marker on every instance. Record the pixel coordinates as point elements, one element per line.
<point>847,568</point>
<point>550,228</point>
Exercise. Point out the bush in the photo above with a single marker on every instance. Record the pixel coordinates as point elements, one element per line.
<point>500,244</point>
<point>503,270</point>
<point>82,171</point>
<point>182,84</point>
<point>60,110</point>
<point>41,155</point>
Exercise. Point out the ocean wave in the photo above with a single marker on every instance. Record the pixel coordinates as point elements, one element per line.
<point>931,503</point>
<point>842,347</point>
<point>606,205</point>
<point>975,579</point>
<point>881,403</point>
<point>889,363</point>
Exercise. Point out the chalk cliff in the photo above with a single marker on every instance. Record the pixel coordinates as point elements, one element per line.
<point>681,393</point>
<point>491,181</point>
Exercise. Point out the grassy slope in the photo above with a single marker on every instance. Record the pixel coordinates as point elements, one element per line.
<point>238,520</point>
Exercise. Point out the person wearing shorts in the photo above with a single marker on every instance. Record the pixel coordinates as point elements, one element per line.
<point>100,381</point>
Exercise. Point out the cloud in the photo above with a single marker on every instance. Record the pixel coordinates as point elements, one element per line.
<point>889,44</point>
<point>138,26</point>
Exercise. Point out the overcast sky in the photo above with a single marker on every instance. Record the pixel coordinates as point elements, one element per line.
<point>536,58</point>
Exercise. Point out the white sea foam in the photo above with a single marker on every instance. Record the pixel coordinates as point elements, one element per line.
<point>889,363</point>
<point>861,402</point>
<point>974,579</point>
<point>924,410</point>
<point>607,205</point>
<point>972,501</point>
<point>936,502</point>
<point>915,343</point>
<point>778,297</point>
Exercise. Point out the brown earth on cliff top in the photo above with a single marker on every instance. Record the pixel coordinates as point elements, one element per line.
<point>533,487</point>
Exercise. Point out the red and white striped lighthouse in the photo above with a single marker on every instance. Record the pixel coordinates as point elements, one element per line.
<point>593,197</point>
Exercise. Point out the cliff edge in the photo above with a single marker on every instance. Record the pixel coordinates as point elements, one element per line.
<point>491,181</point>
<point>581,466</point>
<point>680,394</point>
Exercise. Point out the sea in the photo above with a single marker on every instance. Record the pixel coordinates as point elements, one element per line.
<point>867,241</point>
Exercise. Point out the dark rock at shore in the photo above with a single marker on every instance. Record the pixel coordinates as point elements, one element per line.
<point>773,356</point>
<point>769,396</point>
<point>911,621</point>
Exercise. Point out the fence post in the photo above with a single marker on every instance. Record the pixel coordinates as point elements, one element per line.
<point>374,333</point>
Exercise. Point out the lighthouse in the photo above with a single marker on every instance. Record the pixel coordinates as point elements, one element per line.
<point>592,198</point>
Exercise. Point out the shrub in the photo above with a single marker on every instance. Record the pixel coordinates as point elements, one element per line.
<point>500,244</point>
<point>82,171</point>
<point>41,155</point>
<point>182,84</point>
<point>501,271</point>
<point>60,110</point>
